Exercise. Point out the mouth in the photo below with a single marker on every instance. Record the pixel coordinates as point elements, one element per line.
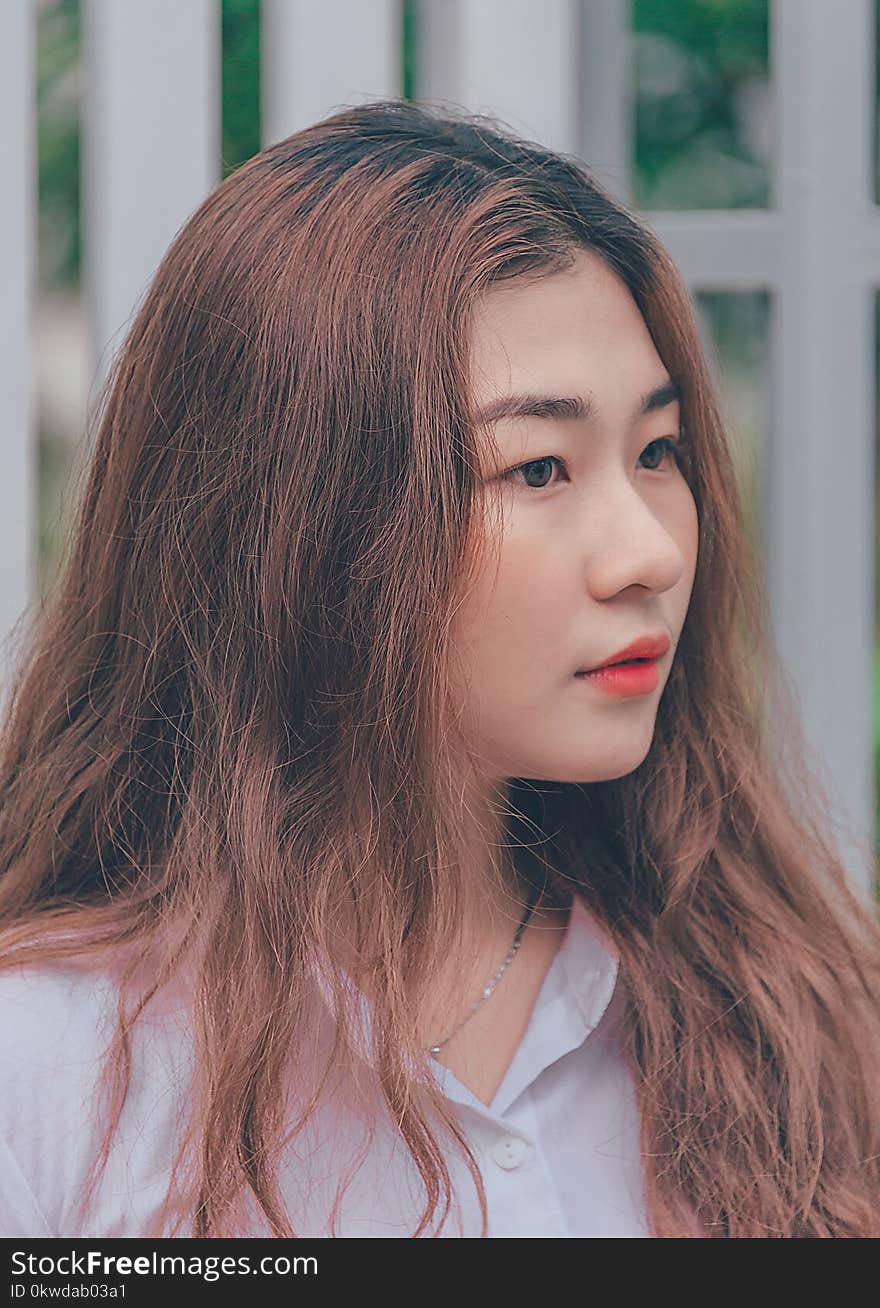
<point>628,677</point>
<point>646,649</point>
<point>622,663</point>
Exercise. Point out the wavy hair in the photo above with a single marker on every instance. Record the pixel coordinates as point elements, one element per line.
<point>231,718</point>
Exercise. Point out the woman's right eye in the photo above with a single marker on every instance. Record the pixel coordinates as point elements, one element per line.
<point>524,469</point>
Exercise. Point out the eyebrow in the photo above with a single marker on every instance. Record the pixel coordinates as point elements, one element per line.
<point>568,408</point>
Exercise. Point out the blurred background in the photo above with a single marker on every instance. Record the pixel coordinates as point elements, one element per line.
<point>696,135</point>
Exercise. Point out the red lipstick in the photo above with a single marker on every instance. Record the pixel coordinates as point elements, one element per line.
<point>646,647</point>
<point>632,670</point>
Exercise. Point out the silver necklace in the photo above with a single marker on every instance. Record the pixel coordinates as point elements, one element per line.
<point>484,995</point>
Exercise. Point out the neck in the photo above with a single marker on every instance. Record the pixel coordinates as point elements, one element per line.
<point>495,896</point>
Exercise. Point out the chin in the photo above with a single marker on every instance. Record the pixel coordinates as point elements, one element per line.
<point>581,775</point>
<point>607,765</point>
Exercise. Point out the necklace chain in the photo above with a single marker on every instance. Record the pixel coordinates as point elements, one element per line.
<point>484,995</point>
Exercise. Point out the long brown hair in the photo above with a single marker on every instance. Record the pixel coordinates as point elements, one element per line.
<point>231,716</point>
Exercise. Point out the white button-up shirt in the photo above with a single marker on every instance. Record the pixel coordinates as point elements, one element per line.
<point>557,1147</point>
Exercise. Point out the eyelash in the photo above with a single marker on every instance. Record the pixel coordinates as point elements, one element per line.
<point>674,447</point>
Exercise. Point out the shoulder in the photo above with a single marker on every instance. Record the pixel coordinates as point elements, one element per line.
<point>47,1002</point>
<point>52,1027</point>
<point>57,1023</point>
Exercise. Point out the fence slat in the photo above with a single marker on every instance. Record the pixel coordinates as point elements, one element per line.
<point>819,483</point>
<point>18,219</point>
<point>317,57</point>
<point>723,249</point>
<point>510,58</point>
<point>606,82</point>
<point>151,146</point>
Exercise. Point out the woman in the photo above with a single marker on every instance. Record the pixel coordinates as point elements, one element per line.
<point>416,923</point>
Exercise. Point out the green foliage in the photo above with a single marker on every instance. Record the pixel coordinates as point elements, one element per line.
<point>694,62</point>
<point>240,80</point>
<point>410,38</point>
<point>58,43</point>
<point>731,34</point>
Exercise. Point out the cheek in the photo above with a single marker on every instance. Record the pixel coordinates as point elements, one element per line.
<point>528,589</point>
<point>507,621</point>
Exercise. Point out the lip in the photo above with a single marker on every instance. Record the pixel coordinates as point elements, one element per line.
<point>624,678</point>
<point>646,647</point>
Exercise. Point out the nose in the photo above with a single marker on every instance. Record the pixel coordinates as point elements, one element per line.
<point>629,543</point>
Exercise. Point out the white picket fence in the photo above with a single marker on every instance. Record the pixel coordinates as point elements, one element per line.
<point>559,70</point>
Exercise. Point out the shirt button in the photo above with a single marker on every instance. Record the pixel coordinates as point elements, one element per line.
<point>509,1152</point>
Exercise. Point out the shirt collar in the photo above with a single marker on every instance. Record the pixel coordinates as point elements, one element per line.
<point>575,995</point>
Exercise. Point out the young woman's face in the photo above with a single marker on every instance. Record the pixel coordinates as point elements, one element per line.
<point>599,536</point>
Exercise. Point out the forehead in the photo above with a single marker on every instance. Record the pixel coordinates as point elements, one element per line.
<point>579,329</point>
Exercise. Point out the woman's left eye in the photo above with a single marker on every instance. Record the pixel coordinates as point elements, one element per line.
<point>667,444</point>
